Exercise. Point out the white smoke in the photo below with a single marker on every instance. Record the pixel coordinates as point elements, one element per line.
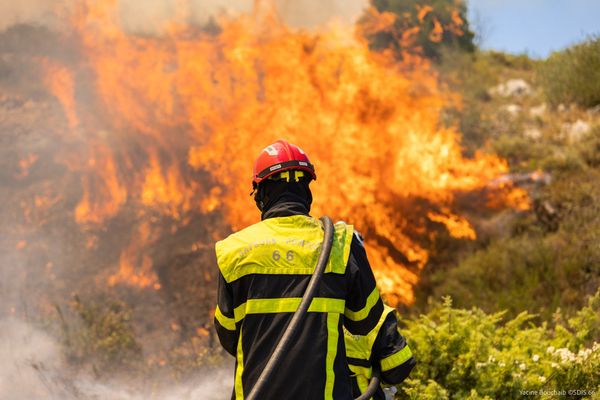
<point>26,11</point>
<point>314,13</point>
<point>148,15</point>
<point>32,367</point>
<point>26,357</point>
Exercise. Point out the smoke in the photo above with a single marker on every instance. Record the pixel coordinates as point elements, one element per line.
<point>147,15</point>
<point>26,11</point>
<point>26,357</point>
<point>311,13</point>
<point>32,367</point>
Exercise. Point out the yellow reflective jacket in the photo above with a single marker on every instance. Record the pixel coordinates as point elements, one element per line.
<point>264,271</point>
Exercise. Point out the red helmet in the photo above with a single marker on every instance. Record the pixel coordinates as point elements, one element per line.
<point>278,157</point>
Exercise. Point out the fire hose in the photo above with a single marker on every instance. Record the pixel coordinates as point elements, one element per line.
<point>292,329</point>
<point>372,388</point>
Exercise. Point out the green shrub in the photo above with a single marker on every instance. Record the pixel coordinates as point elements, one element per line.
<point>468,354</point>
<point>514,61</point>
<point>573,75</point>
<point>104,335</point>
<point>589,148</point>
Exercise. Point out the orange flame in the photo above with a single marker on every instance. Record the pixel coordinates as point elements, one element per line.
<point>457,226</point>
<point>423,11</point>
<point>25,164</point>
<point>437,32</point>
<point>135,266</point>
<point>457,22</point>
<point>102,184</point>
<point>372,126</point>
<point>59,81</point>
<point>378,22</point>
<point>167,191</point>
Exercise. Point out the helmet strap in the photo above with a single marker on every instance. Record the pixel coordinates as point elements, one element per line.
<point>274,190</point>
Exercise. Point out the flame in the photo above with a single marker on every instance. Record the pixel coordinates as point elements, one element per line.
<point>436,34</point>
<point>103,192</point>
<point>378,22</point>
<point>25,164</point>
<point>166,191</point>
<point>457,22</point>
<point>187,102</point>
<point>505,194</point>
<point>212,201</point>
<point>135,265</point>
<point>202,332</point>
<point>59,81</point>
<point>457,226</point>
<point>423,11</point>
<point>395,281</point>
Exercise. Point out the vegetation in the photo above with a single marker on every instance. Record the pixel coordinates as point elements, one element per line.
<point>468,354</point>
<point>426,25</point>
<point>573,75</point>
<point>540,266</point>
<point>103,335</point>
<point>472,74</point>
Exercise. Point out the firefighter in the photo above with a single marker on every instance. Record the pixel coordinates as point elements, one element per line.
<point>263,272</point>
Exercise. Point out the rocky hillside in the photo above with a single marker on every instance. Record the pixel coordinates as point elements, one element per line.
<point>546,258</point>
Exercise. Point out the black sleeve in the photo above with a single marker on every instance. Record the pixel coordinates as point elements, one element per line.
<point>363,303</point>
<point>225,325</point>
<point>391,352</point>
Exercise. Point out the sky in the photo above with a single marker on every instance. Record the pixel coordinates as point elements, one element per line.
<point>536,27</point>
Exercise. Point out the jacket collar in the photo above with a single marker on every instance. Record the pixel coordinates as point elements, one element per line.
<point>285,209</point>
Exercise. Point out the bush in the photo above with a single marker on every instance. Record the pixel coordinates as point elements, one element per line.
<point>468,354</point>
<point>513,61</point>
<point>573,75</point>
<point>104,336</point>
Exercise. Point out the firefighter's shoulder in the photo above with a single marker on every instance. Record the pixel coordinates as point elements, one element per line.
<point>242,234</point>
<point>232,248</point>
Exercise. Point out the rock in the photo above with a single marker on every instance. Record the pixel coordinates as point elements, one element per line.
<point>576,131</point>
<point>511,109</point>
<point>594,111</point>
<point>532,133</point>
<point>512,87</point>
<point>538,111</point>
<point>546,214</point>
